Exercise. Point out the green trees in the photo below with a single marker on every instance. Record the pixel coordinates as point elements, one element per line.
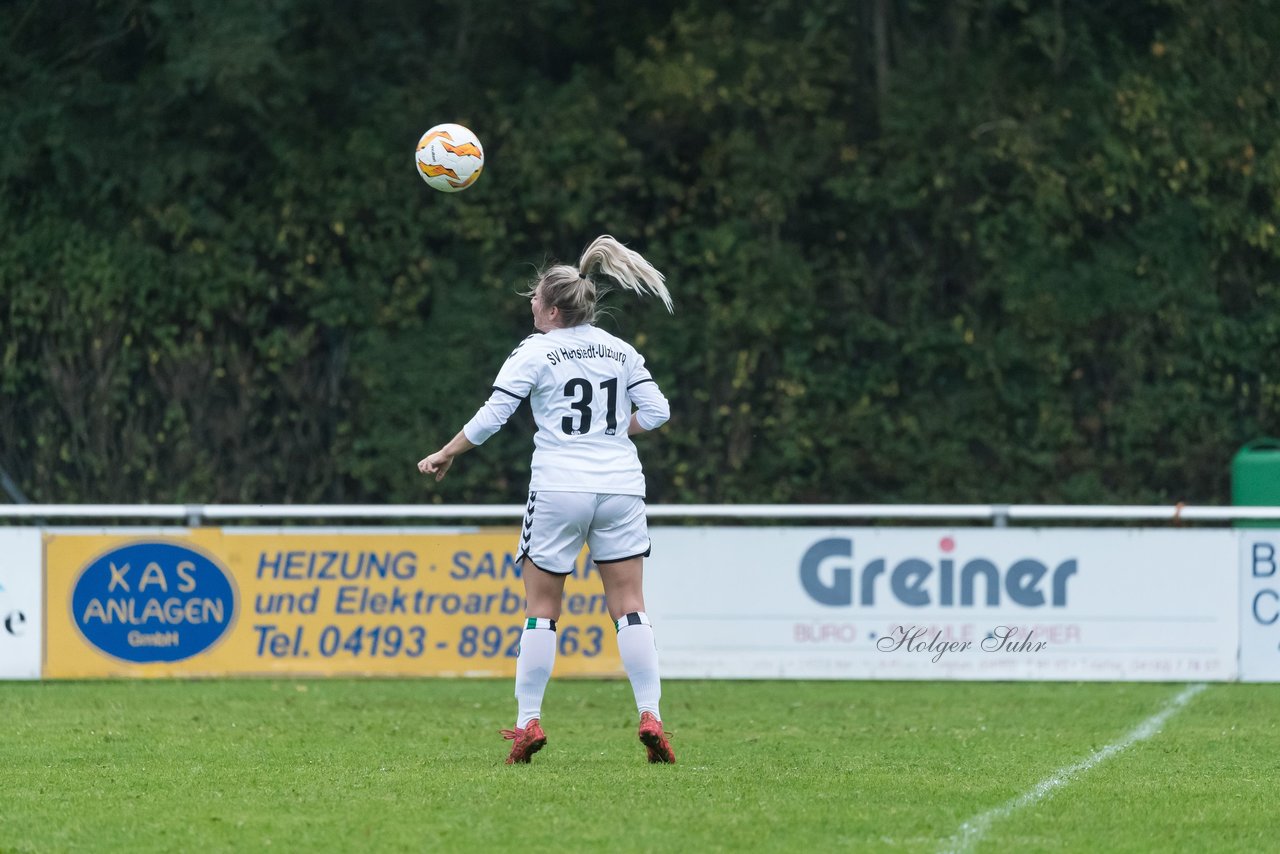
<point>1016,252</point>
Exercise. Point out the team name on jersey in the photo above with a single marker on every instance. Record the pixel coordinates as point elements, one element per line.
<point>591,351</point>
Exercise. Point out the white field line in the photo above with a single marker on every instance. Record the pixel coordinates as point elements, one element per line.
<point>972,831</point>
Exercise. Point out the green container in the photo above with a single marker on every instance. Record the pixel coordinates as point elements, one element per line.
<point>1255,480</point>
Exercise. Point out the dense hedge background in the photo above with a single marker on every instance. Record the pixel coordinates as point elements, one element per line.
<point>962,251</point>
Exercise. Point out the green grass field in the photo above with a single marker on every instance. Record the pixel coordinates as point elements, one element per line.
<point>374,765</point>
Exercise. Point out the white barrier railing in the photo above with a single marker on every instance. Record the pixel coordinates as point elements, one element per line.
<point>998,515</point>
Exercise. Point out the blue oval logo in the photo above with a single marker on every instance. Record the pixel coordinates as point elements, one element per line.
<point>149,602</point>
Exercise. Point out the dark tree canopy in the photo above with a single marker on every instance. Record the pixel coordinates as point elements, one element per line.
<point>973,251</point>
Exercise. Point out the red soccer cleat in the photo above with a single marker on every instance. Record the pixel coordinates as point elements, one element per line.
<point>655,740</point>
<point>528,741</point>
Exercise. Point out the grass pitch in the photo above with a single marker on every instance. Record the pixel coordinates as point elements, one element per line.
<point>373,765</point>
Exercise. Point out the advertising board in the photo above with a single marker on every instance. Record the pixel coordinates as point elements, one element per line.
<point>21,603</point>
<point>1259,605</point>
<point>931,603</point>
<point>213,602</point>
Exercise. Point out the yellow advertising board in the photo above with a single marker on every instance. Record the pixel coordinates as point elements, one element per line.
<point>217,602</point>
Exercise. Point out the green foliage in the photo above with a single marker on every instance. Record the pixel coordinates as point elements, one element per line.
<point>1018,252</point>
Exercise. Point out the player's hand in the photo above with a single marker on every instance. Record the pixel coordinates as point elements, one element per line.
<point>436,464</point>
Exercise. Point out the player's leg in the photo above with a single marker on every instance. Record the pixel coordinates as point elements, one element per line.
<point>619,542</point>
<point>537,657</point>
<point>623,591</point>
<point>550,539</point>
<point>543,591</point>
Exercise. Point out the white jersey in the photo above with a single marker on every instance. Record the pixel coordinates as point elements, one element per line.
<point>582,383</point>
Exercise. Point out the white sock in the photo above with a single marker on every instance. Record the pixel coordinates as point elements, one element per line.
<point>640,658</point>
<point>533,668</point>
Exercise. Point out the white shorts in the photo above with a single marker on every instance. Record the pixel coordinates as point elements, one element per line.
<point>556,524</point>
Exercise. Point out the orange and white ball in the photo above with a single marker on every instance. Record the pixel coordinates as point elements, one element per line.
<point>449,157</point>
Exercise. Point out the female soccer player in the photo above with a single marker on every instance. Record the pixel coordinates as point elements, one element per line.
<point>586,483</point>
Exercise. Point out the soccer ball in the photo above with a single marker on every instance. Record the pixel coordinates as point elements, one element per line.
<point>449,158</point>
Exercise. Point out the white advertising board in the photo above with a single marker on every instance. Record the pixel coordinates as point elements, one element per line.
<point>930,603</point>
<point>21,603</point>
<point>1260,606</point>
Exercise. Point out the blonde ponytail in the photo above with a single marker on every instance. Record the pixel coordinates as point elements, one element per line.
<point>626,266</point>
<point>573,289</point>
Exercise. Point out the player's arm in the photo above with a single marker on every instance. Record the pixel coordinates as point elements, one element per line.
<point>652,409</point>
<point>487,421</point>
<point>514,382</point>
<point>439,462</point>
